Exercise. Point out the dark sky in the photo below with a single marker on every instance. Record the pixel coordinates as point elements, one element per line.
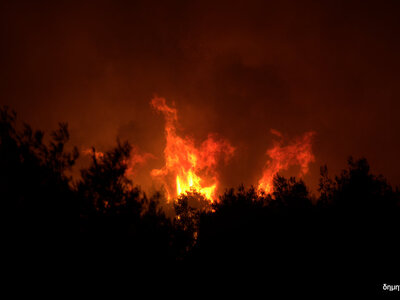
<point>235,68</point>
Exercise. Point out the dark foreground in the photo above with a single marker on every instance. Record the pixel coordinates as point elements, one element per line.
<point>343,241</point>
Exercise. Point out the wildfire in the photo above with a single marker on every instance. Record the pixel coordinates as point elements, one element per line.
<point>189,168</point>
<point>297,152</point>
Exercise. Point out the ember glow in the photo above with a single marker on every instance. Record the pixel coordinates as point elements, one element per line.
<point>189,168</point>
<point>92,152</point>
<point>297,152</point>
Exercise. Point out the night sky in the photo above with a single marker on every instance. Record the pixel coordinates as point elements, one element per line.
<point>237,69</point>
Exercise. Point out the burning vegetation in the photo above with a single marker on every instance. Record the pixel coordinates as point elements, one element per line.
<point>189,168</point>
<point>192,167</point>
<point>297,152</point>
<point>120,224</point>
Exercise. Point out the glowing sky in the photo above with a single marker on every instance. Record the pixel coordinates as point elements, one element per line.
<point>235,68</point>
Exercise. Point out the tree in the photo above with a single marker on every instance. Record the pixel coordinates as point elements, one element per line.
<point>357,189</point>
<point>33,180</point>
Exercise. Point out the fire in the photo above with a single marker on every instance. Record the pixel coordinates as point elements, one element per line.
<point>296,152</point>
<point>189,168</point>
<point>91,151</point>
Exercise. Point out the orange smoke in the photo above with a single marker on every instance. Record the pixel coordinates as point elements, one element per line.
<point>136,159</point>
<point>188,168</point>
<point>297,152</point>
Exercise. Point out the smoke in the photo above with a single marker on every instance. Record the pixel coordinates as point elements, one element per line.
<point>232,68</point>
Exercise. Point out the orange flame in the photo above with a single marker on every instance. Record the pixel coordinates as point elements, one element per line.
<point>297,152</point>
<point>90,151</point>
<point>188,168</point>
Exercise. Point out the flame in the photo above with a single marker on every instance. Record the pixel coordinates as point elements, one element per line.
<point>91,151</point>
<point>188,168</point>
<point>297,152</point>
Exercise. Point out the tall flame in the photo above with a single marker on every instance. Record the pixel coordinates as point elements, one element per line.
<point>188,168</point>
<point>297,152</point>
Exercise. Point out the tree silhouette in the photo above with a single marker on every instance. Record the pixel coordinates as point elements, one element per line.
<point>358,214</point>
<point>290,193</point>
<point>188,208</point>
<point>345,236</point>
<point>117,217</point>
<point>104,189</point>
<point>33,181</point>
<point>356,188</point>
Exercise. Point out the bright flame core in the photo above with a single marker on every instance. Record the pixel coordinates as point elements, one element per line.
<point>187,168</point>
<point>193,169</point>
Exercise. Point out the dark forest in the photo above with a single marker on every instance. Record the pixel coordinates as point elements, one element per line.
<point>346,233</point>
